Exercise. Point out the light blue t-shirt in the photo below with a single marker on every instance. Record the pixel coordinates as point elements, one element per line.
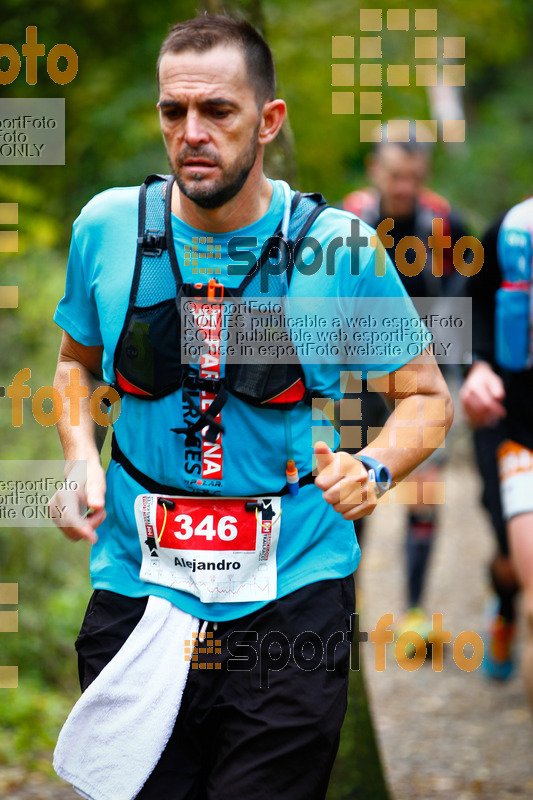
<point>315,542</point>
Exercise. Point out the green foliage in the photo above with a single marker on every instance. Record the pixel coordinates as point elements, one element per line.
<point>31,340</point>
<point>54,587</point>
<point>112,135</point>
<point>32,716</point>
<point>358,771</point>
<point>492,171</point>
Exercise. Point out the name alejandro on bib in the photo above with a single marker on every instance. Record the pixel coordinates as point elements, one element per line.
<point>210,565</point>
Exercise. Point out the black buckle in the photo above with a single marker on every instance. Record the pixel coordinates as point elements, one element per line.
<point>196,383</point>
<point>153,243</point>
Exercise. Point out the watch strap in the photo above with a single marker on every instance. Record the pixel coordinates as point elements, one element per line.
<point>378,473</point>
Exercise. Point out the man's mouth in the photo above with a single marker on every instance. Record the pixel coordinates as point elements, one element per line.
<point>199,164</point>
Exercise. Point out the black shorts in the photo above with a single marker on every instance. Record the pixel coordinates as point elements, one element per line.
<point>486,443</point>
<point>263,704</point>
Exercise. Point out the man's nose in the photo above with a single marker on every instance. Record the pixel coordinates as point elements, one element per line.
<point>195,130</point>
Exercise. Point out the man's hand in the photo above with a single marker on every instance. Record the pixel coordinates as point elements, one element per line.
<point>75,523</point>
<point>344,483</point>
<point>482,395</point>
<point>422,415</point>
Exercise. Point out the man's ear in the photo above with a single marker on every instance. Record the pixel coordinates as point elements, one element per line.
<point>272,115</point>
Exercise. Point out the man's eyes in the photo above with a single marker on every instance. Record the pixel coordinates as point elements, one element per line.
<point>173,112</point>
<point>176,113</point>
<point>218,113</point>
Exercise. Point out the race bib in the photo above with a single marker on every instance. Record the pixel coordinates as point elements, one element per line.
<point>222,550</point>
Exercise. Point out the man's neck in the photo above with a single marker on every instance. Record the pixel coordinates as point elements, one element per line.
<point>249,205</point>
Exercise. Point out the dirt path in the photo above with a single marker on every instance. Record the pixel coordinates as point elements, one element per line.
<point>452,734</point>
<point>15,784</point>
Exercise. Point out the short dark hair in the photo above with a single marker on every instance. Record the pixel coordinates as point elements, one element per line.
<point>213,30</point>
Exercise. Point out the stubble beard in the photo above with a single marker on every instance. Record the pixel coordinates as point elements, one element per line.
<point>210,194</point>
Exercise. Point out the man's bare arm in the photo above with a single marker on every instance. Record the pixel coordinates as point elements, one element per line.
<point>421,418</point>
<point>78,374</point>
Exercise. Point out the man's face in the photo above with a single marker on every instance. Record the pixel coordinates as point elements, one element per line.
<point>398,175</point>
<point>210,122</point>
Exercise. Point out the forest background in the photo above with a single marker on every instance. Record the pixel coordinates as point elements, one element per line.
<point>113,139</point>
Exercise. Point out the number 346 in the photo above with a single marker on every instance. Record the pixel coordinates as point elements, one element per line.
<point>226,528</point>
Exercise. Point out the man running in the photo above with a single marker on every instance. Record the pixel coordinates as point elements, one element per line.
<point>496,396</point>
<point>208,527</point>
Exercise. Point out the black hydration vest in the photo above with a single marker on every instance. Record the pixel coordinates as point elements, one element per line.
<point>147,359</point>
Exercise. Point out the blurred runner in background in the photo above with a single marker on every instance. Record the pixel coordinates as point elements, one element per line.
<point>398,172</point>
<point>497,400</point>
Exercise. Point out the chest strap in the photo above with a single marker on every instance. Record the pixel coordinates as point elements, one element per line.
<point>160,488</point>
<point>205,418</point>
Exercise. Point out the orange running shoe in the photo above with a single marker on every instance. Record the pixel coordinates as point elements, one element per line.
<point>498,661</point>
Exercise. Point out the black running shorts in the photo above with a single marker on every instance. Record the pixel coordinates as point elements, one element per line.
<point>264,701</point>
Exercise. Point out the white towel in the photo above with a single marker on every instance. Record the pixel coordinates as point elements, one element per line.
<point>116,732</point>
